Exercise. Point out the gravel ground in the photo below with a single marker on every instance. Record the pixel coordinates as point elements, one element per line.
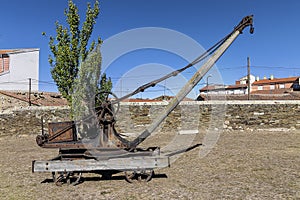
<point>262,165</point>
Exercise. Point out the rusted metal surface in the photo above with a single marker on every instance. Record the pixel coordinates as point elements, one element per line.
<point>68,129</point>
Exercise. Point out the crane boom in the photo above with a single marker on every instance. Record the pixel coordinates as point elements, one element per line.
<point>246,21</point>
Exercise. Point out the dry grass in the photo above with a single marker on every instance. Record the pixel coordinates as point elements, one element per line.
<point>241,166</point>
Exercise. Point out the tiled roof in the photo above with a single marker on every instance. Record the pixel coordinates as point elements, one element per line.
<point>213,87</point>
<point>261,82</point>
<point>140,100</point>
<point>158,99</point>
<point>276,80</point>
<point>168,98</point>
<point>55,99</point>
<point>9,51</point>
<point>254,96</point>
<point>6,51</point>
<point>276,91</point>
<point>222,87</point>
<point>236,86</point>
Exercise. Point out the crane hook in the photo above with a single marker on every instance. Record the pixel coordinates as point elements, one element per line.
<point>251,29</point>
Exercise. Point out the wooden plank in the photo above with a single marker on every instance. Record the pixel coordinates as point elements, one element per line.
<point>121,164</point>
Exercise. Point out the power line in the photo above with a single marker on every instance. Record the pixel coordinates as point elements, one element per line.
<point>257,66</point>
<point>271,67</point>
<point>141,76</point>
<point>45,82</point>
<point>145,76</point>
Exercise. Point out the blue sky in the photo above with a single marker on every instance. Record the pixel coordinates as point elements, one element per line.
<point>273,48</point>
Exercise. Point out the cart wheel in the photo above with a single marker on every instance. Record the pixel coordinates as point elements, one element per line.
<point>54,176</point>
<point>78,178</point>
<point>130,176</point>
<point>141,176</point>
<point>58,178</point>
<point>145,175</point>
<point>102,103</point>
<point>64,177</point>
<point>73,176</point>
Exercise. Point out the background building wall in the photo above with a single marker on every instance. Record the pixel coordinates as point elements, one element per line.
<point>23,65</point>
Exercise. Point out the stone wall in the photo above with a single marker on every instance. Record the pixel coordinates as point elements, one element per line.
<point>226,115</point>
<point>263,115</point>
<point>27,120</point>
<point>134,117</point>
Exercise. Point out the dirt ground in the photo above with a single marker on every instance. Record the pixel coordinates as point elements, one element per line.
<point>242,165</point>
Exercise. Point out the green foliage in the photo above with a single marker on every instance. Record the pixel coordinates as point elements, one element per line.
<point>69,47</point>
<point>104,87</point>
<point>87,85</point>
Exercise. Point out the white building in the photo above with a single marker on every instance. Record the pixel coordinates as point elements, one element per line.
<point>240,87</point>
<point>17,66</point>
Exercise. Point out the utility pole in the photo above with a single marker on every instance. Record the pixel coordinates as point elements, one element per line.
<point>207,86</point>
<point>121,86</point>
<point>164,90</point>
<point>29,92</point>
<point>248,76</point>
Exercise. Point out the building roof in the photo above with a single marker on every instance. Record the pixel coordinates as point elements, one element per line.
<point>222,87</point>
<point>157,99</point>
<point>212,87</point>
<point>11,51</point>
<point>277,91</point>
<point>230,87</point>
<point>140,100</point>
<point>5,51</point>
<point>275,80</point>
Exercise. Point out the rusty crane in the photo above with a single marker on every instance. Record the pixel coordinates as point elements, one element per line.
<point>112,153</point>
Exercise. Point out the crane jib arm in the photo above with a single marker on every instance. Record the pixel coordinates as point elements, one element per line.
<point>246,21</point>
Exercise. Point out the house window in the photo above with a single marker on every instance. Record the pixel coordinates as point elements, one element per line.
<point>260,87</point>
<point>4,63</point>
<point>281,86</point>
<point>272,87</point>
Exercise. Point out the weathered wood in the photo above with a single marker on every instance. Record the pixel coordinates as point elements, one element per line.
<point>121,164</point>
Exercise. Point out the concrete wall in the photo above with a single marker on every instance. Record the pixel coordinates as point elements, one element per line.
<point>134,117</point>
<point>23,65</point>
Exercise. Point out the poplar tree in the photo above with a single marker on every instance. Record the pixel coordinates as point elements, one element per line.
<point>69,48</point>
